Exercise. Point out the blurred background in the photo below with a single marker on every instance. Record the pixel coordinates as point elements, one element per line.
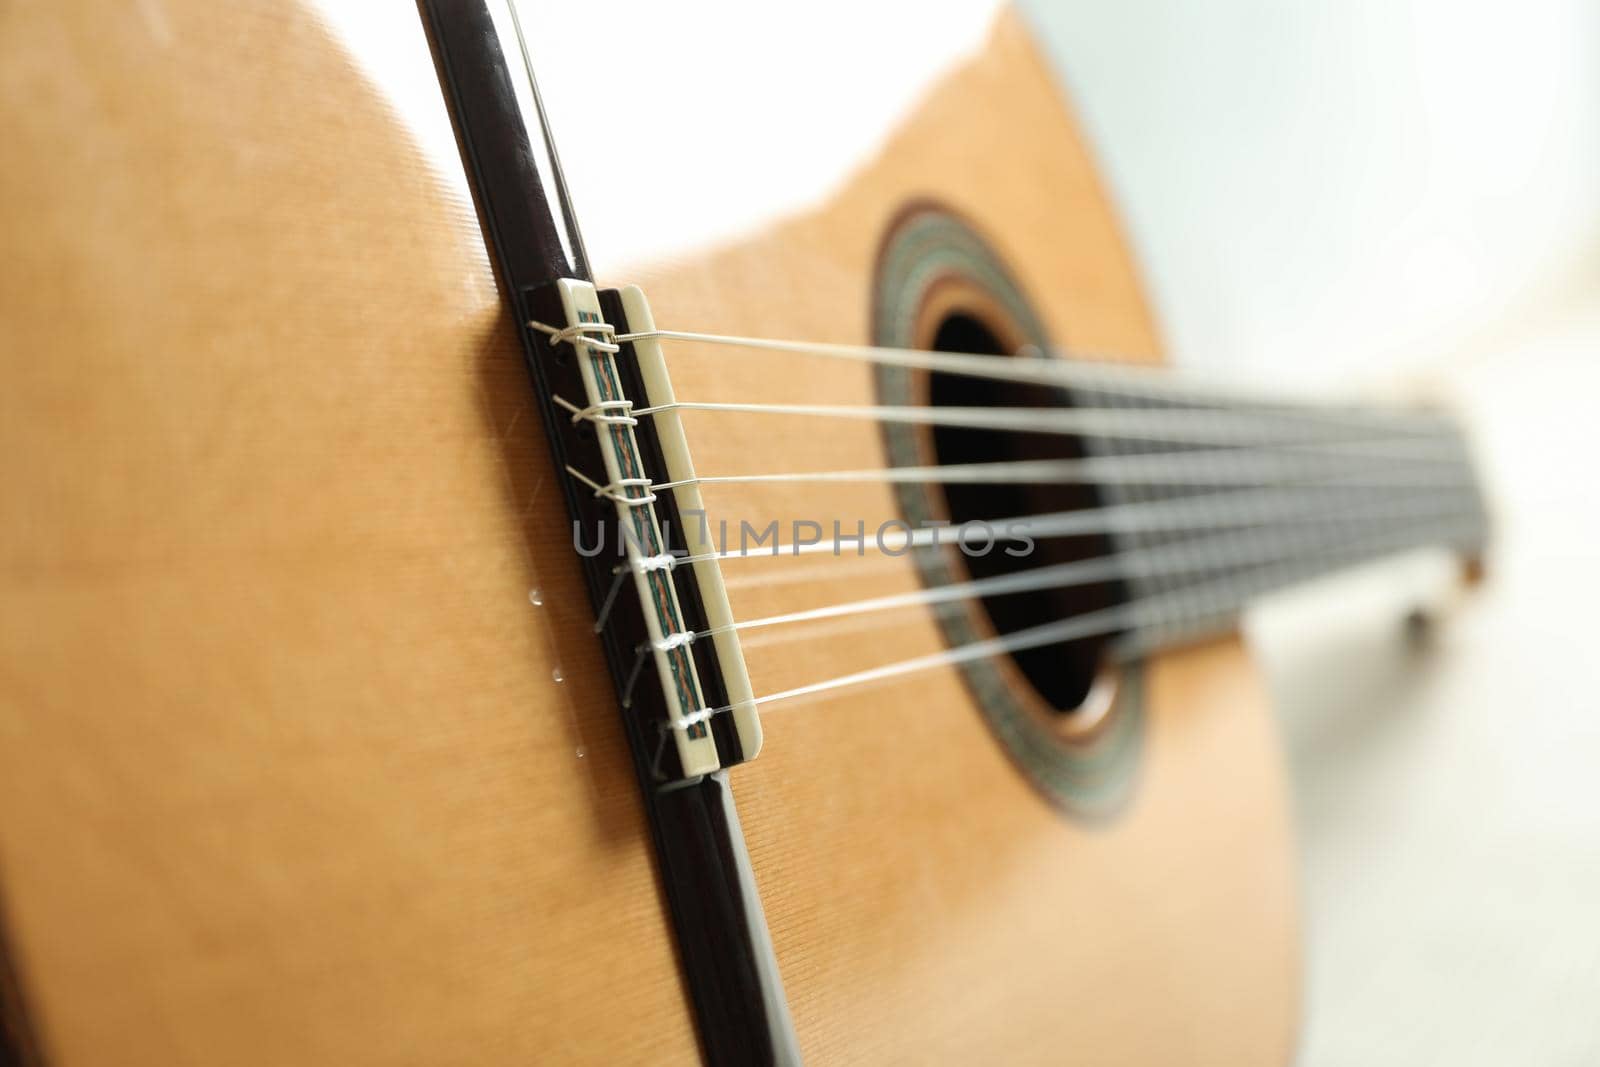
<point>1369,193</point>
<point>1402,192</point>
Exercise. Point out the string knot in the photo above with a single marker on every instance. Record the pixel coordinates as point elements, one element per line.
<point>677,640</point>
<point>694,719</point>
<point>598,412</point>
<point>664,562</point>
<point>579,335</point>
<point>617,491</point>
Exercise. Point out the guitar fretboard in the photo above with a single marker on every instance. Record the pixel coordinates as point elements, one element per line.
<point>1274,496</point>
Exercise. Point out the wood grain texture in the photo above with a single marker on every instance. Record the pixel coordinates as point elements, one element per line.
<point>285,772</point>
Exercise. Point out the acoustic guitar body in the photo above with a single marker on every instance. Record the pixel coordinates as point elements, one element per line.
<point>307,750</point>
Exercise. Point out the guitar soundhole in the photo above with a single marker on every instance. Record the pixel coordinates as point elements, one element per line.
<point>1064,675</point>
<point>1070,723</point>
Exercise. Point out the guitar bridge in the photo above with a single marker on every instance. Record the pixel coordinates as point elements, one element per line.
<point>654,572</point>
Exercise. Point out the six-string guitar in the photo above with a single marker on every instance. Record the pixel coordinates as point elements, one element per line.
<point>428,638</point>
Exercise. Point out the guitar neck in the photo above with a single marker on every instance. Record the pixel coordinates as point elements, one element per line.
<point>1257,496</point>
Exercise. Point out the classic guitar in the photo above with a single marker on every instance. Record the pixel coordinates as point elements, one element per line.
<point>755,596</point>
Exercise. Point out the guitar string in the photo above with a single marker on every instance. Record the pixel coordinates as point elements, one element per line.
<point>1462,479</point>
<point>1099,377</point>
<point>1071,370</point>
<point>1174,425</point>
<point>1294,567</point>
<point>1203,426</point>
<point>1245,528</point>
<point>1175,558</point>
<point>1211,427</point>
<point>1048,471</point>
<point>1143,517</point>
<point>1214,598</point>
<point>1198,511</point>
<point>1384,460</point>
<point>1169,469</point>
<point>1248,466</point>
